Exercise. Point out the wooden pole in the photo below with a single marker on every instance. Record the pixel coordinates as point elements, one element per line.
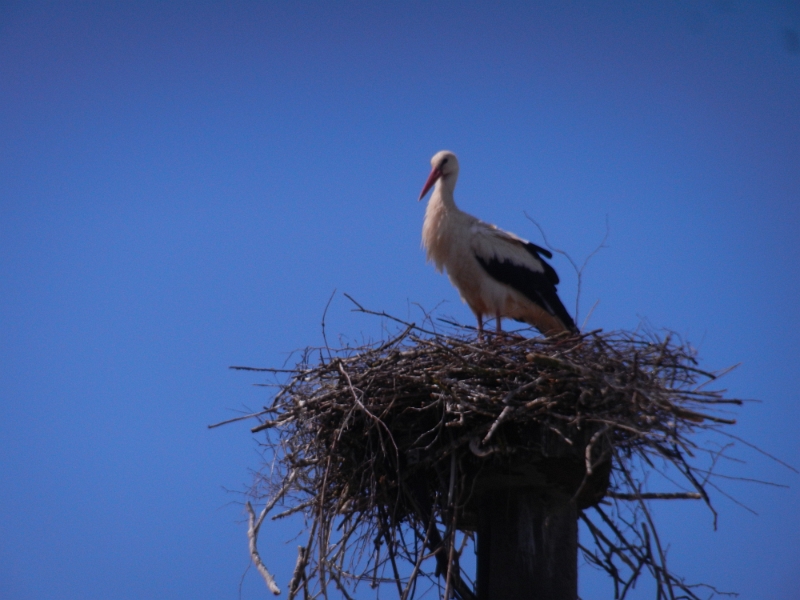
<point>526,515</point>
<point>527,546</point>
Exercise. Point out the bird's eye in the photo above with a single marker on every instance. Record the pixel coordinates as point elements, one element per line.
<point>444,162</point>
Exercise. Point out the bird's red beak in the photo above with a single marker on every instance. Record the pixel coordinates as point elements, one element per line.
<point>436,172</point>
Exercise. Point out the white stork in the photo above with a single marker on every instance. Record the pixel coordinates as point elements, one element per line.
<point>497,273</point>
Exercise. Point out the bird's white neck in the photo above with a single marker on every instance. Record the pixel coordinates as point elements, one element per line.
<point>443,193</point>
<point>440,215</point>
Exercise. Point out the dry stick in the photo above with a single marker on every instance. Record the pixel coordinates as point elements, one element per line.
<point>578,271</point>
<point>324,314</point>
<point>616,549</point>
<point>759,450</point>
<point>651,561</point>
<point>252,532</point>
<point>242,418</point>
<point>295,509</point>
<point>504,414</point>
<point>638,551</point>
<point>662,556</point>
<point>299,571</point>
<point>339,555</point>
<point>265,425</point>
<point>413,326</point>
<point>589,314</point>
<point>396,339</point>
<point>589,467</point>
<point>388,316</point>
<point>450,553</point>
<point>377,544</point>
<point>338,583</point>
<point>747,479</point>
<point>589,446</point>
<point>322,541</point>
<point>656,496</point>
<point>420,557</point>
<point>732,499</point>
<point>375,419</point>
<point>262,369</point>
<point>607,561</point>
<point>508,410</point>
<point>643,554</point>
<point>451,534</point>
<point>632,580</point>
<point>391,551</point>
<point>688,472</point>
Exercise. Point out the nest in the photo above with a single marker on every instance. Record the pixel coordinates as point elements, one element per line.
<point>387,450</point>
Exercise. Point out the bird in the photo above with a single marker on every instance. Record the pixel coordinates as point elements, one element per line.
<point>496,273</point>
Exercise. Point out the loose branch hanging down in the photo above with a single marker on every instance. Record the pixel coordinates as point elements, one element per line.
<point>252,533</point>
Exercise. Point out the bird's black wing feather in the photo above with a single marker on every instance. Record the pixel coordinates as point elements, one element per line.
<point>537,250</point>
<point>549,271</point>
<point>537,287</point>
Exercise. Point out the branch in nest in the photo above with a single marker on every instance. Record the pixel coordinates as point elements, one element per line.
<point>252,534</point>
<point>656,496</point>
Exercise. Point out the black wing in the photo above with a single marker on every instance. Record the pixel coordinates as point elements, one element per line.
<point>538,287</point>
<point>537,250</point>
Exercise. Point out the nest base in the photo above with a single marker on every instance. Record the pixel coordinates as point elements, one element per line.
<point>552,471</point>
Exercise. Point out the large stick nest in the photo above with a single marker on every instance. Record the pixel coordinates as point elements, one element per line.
<point>387,449</point>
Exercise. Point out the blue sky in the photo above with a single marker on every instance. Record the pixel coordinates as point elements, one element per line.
<point>184,185</point>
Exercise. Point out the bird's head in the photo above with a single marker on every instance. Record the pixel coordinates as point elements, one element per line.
<point>444,166</point>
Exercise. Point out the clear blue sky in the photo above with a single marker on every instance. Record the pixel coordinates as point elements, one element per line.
<point>183,186</point>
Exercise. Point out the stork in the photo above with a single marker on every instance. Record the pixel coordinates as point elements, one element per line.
<point>496,273</point>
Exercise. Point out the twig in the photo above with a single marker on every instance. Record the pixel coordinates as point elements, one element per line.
<point>324,314</point>
<point>578,271</point>
<point>299,571</point>
<point>656,496</point>
<point>252,534</point>
<point>254,526</point>
<point>242,418</point>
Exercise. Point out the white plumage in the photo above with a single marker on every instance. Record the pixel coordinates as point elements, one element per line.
<point>497,273</point>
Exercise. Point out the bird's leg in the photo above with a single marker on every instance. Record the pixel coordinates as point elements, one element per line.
<point>479,316</point>
<point>499,325</point>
